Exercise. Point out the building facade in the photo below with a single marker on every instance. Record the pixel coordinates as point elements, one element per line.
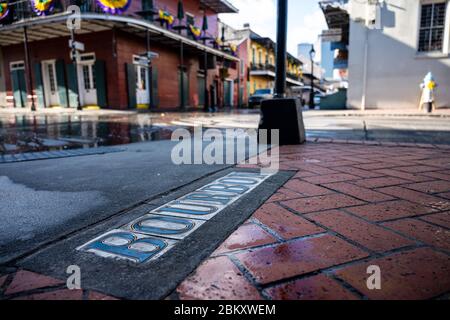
<point>146,55</point>
<point>257,61</point>
<point>392,45</point>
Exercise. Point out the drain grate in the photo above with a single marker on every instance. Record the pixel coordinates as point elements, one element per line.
<point>31,156</point>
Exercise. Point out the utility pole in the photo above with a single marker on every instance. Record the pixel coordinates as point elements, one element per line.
<point>284,115</point>
<point>280,80</point>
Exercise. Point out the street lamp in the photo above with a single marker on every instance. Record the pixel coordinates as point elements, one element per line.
<point>312,54</point>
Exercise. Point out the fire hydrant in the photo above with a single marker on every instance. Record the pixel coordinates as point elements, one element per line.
<point>428,86</point>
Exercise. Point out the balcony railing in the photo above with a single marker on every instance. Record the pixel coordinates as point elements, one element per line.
<point>293,76</point>
<point>262,67</point>
<point>22,9</point>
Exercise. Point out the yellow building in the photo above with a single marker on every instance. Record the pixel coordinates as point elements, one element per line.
<point>261,57</point>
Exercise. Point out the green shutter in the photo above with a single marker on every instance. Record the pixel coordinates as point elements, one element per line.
<point>16,89</point>
<point>23,88</point>
<point>183,76</point>
<point>100,82</point>
<point>72,84</point>
<point>38,86</point>
<point>154,92</point>
<point>131,85</point>
<point>19,88</point>
<point>201,91</point>
<point>61,80</point>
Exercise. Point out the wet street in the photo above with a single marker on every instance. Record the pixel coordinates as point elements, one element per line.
<point>27,132</point>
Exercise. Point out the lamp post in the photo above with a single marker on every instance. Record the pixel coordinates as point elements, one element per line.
<point>281,116</point>
<point>312,54</point>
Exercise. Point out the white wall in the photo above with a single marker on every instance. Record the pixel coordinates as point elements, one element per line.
<point>394,67</point>
<point>2,82</point>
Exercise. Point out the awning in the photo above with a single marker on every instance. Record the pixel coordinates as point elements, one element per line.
<point>55,26</point>
<point>220,6</point>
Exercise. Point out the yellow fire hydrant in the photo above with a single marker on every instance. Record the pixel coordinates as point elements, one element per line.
<point>428,87</point>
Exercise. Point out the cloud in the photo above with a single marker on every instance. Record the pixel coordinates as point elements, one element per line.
<point>306,30</point>
<point>306,20</point>
<point>261,14</point>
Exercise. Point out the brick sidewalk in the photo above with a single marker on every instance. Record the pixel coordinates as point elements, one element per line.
<point>348,207</point>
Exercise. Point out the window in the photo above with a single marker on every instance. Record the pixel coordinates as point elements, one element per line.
<point>254,56</point>
<point>17,65</point>
<point>51,77</point>
<point>432,27</point>
<point>86,77</point>
<point>190,19</point>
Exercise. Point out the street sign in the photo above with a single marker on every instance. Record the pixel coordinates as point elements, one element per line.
<point>152,235</point>
<point>79,46</point>
<point>150,55</point>
<point>332,35</point>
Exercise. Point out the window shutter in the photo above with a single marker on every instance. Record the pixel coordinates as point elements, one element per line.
<point>154,93</point>
<point>60,78</point>
<point>100,80</point>
<point>38,85</point>
<point>131,85</point>
<point>72,84</point>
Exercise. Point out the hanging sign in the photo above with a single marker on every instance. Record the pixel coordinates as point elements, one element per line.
<point>196,32</point>
<point>42,7</point>
<point>114,6</point>
<point>4,10</point>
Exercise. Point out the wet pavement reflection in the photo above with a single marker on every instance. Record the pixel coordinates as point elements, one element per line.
<point>31,133</point>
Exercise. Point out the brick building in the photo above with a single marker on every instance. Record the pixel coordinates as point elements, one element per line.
<point>257,61</point>
<point>143,57</point>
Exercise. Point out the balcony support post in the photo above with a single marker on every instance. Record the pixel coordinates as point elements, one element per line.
<point>28,64</point>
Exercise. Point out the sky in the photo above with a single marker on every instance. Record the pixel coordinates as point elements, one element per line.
<point>305,19</point>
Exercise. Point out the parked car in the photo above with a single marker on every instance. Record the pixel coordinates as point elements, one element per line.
<point>306,94</point>
<point>259,95</point>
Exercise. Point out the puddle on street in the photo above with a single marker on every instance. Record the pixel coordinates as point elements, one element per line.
<point>32,133</point>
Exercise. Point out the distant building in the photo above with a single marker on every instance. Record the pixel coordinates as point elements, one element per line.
<point>327,60</point>
<point>257,55</point>
<point>388,47</point>
<point>140,56</point>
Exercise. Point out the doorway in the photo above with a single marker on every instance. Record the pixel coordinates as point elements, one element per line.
<point>228,92</point>
<point>142,82</point>
<point>50,83</point>
<point>86,79</point>
<point>183,88</point>
<point>19,87</point>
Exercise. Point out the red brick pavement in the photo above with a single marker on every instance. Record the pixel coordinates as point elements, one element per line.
<point>26,285</point>
<point>348,207</point>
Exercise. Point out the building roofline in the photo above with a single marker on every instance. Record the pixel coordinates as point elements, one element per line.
<point>220,6</point>
<point>130,22</point>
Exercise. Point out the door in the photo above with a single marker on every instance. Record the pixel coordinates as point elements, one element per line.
<point>201,90</point>
<point>228,91</point>
<point>86,79</point>
<point>18,84</point>
<point>50,83</point>
<point>142,87</point>
<point>183,89</point>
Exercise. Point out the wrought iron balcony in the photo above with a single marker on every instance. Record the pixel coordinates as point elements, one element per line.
<point>22,11</point>
<point>262,67</point>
